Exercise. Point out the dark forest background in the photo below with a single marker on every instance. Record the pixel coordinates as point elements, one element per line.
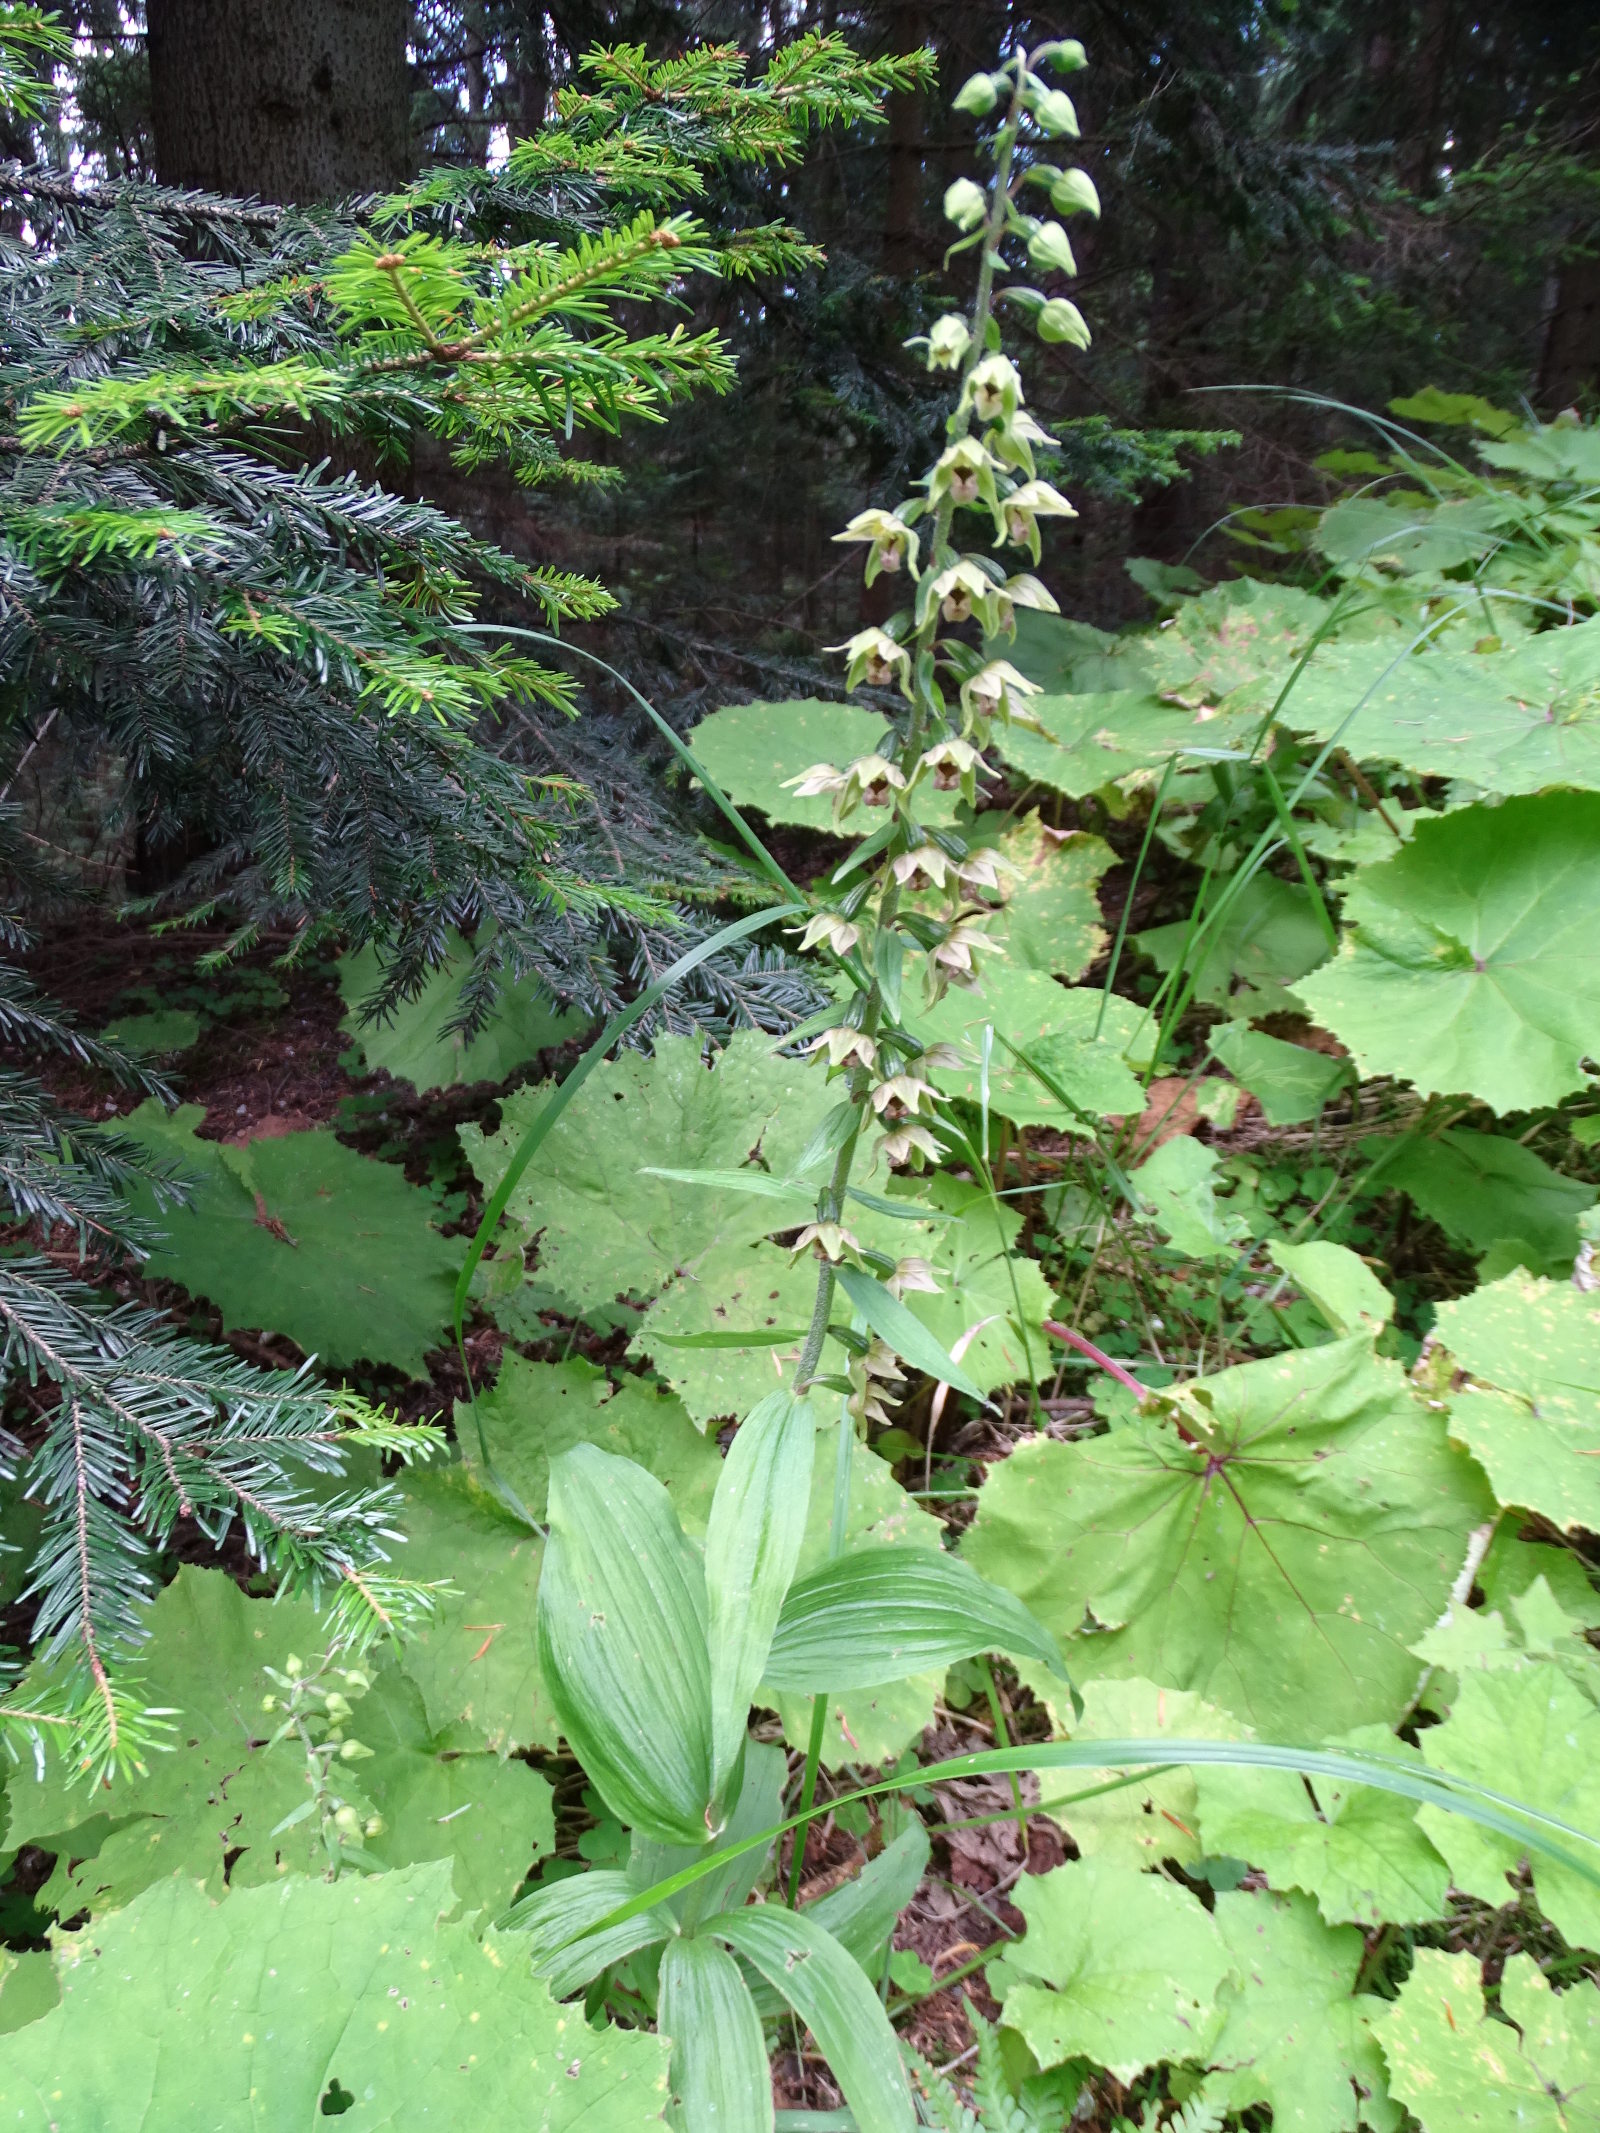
<point>1305,202</point>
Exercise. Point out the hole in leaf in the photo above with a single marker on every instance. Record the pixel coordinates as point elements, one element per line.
<point>336,2100</point>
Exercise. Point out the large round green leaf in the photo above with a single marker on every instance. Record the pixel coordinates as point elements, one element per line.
<point>302,1236</point>
<point>475,1658</point>
<point>415,1044</point>
<point>1530,1411</point>
<point>605,1227</point>
<point>1118,1967</point>
<point>1057,1026</point>
<point>1510,721</point>
<point>536,1411</point>
<point>750,749</point>
<point>1533,1734</point>
<point>1052,911</point>
<point>1089,742</point>
<point>278,2004</point>
<point>1471,966</point>
<point>1274,1538</point>
<point>1357,1850</point>
<point>1460,2069</point>
<point>209,1811</point>
<point>1295,2033</point>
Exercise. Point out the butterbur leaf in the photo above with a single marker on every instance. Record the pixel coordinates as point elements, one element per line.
<point>446,1797</point>
<point>752,750</point>
<point>1355,1848</point>
<point>1471,968</point>
<point>721,2082</point>
<point>1454,2064</point>
<point>622,1642</point>
<point>607,1225</point>
<point>301,1235</point>
<point>1052,910</point>
<point>1266,937</point>
<point>758,1519</point>
<point>1289,1081</point>
<point>1085,1044</point>
<point>414,1042</point>
<point>180,2011</point>
<point>1513,1565</point>
<point>535,1411</point>
<point>1534,1737</point>
<point>882,1613</point>
<point>1512,721</point>
<point>727,1332</point>
<point>1215,1546</point>
<point>1116,1966</point>
<point>991,1300</point>
<point>1530,1413</point>
<point>1156,1817</point>
<point>830,1993</point>
<point>907,1336</point>
<point>1175,1187</point>
<point>211,1811</point>
<point>1092,740</point>
<point>476,1657</point>
<point>1339,1283</point>
<point>1488,1192</point>
<point>1294,2033</point>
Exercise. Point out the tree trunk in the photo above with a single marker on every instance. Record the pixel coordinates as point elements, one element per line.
<point>1430,68</point>
<point>1569,370</point>
<point>905,144</point>
<point>288,99</point>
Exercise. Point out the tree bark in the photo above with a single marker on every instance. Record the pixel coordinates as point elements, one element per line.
<point>286,99</point>
<point>1569,369</point>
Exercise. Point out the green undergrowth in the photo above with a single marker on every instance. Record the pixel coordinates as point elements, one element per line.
<point>1147,1318</point>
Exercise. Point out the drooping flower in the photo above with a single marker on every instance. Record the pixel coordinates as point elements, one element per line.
<point>913,1277</point>
<point>982,870</point>
<point>954,766</point>
<point>820,778</point>
<point>844,1045</point>
<point>893,542</point>
<point>955,959</point>
<point>994,691</point>
<point>1024,508</point>
<point>1023,591</point>
<point>829,1240</point>
<point>925,868</point>
<point>902,1095</point>
<point>963,589</point>
<point>828,928</point>
<point>909,1143</point>
<point>994,389</point>
<point>871,778</point>
<point>949,338</point>
<point>875,656</point>
<point>964,472</point>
